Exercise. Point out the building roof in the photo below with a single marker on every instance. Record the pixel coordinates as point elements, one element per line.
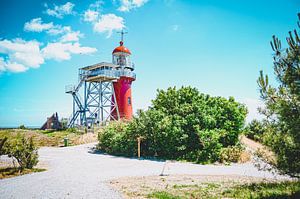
<point>122,49</point>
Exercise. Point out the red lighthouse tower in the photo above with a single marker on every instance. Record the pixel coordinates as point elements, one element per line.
<point>122,87</point>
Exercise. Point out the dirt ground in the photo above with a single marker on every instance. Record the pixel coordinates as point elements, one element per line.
<point>140,187</point>
<point>258,149</point>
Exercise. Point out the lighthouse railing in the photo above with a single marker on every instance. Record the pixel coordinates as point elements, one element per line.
<point>106,72</point>
<point>126,73</point>
<point>113,73</point>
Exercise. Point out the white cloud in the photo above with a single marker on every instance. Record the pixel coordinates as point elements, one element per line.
<point>108,23</point>
<point>60,11</point>
<point>11,66</point>
<point>103,23</point>
<point>96,5</point>
<point>16,67</point>
<point>2,64</point>
<point>30,59</point>
<point>71,36</point>
<point>22,54</point>
<point>90,15</point>
<point>62,51</point>
<point>36,25</point>
<point>127,5</point>
<point>58,29</point>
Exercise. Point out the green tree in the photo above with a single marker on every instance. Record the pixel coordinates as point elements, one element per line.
<point>282,104</point>
<point>181,124</point>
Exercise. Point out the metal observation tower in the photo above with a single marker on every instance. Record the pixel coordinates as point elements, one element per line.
<point>106,90</point>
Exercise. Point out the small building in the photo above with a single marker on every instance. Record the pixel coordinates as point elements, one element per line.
<point>52,123</point>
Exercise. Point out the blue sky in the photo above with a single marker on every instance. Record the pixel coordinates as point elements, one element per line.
<point>217,46</point>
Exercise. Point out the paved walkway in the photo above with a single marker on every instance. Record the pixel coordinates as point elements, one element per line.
<point>77,172</point>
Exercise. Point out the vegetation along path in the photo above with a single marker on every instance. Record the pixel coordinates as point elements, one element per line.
<point>79,172</point>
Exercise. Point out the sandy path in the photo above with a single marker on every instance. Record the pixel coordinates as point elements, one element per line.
<point>77,172</point>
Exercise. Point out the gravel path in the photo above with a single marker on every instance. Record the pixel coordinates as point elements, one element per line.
<point>77,172</point>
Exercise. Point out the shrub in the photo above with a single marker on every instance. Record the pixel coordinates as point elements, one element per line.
<point>22,126</point>
<point>24,151</point>
<point>232,154</point>
<point>211,145</point>
<point>113,139</point>
<point>2,143</point>
<point>182,124</point>
<point>255,130</point>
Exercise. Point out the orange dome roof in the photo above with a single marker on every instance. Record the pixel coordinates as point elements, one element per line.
<point>122,49</point>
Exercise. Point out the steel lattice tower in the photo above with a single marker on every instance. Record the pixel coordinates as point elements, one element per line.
<point>106,91</point>
<point>99,102</point>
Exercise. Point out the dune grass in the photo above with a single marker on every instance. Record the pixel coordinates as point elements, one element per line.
<point>265,190</point>
<point>10,172</point>
<point>43,137</point>
<point>287,189</point>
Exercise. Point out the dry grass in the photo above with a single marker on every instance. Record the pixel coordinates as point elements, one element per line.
<point>179,185</point>
<point>50,137</point>
<point>266,190</point>
<point>245,157</point>
<point>85,138</point>
<point>10,172</point>
<point>258,147</point>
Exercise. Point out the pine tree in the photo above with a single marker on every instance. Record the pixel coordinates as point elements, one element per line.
<point>282,104</point>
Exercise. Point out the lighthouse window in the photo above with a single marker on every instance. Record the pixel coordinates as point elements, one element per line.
<point>129,101</point>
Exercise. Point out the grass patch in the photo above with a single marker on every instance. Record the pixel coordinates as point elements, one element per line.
<point>219,190</point>
<point>204,190</point>
<point>265,190</point>
<point>162,195</point>
<point>46,137</point>
<point>10,172</point>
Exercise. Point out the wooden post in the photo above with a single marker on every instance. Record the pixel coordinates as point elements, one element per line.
<point>139,147</point>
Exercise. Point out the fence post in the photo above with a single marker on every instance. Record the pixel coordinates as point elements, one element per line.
<point>139,147</point>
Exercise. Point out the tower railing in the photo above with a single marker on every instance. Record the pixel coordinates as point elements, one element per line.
<point>111,73</point>
<point>70,88</point>
<point>126,73</point>
<point>104,72</point>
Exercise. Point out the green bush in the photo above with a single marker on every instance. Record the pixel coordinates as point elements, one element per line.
<point>182,124</point>
<point>2,143</point>
<point>211,145</point>
<point>114,139</point>
<point>22,126</point>
<point>23,150</point>
<point>255,130</point>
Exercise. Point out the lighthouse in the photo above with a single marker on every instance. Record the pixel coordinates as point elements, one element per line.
<point>106,90</point>
<point>122,87</point>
